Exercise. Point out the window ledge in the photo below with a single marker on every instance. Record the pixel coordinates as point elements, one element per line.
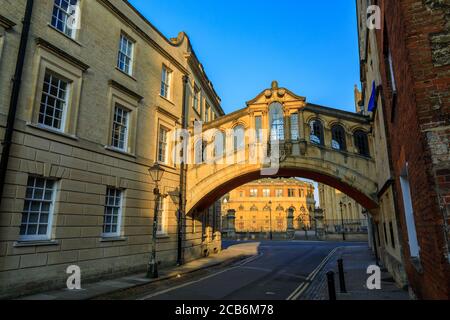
<point>54,131</point>
<point>167,99</point>
<point>167,166</point>
<point>415,261</point>
<point>65,35</point>
<point>112,149</point>
<point>162,236</point>
<point>113,239</point>
<point>126,74</point>
<point>35,243</point>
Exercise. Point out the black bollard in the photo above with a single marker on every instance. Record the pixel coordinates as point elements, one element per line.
<point>341,276</point>
<point>331,287</point>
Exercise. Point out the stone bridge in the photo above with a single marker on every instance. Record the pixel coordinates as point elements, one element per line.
<point>279,134</point>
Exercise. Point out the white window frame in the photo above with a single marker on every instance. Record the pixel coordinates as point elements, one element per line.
<point>65,101</point>
<point>119,216</point>
<point>266,193</point>
<point>414,248</point>
<point>126,125</point>
<point>162,215</point>
<point>391,71</point>
<point>130,55</point>
<point>279,194</point>
<point>66,14</point>
<point>166,82</point>
<point>48,235</point>
<point>253,193</point>
<point>165,144</point>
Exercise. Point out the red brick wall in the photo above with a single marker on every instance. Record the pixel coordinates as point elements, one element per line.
<point>416,31</point>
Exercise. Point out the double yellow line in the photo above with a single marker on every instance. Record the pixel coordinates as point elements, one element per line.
<point>304,285</point>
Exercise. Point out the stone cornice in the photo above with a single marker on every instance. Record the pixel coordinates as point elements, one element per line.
<point>227,118</point>
<point>206,83</point>
<point>341,114</point>
<point>168,114</point>
<point>276,91</point>
<point>62,54</point>
<point>125,90</point>
<point>6,23</point>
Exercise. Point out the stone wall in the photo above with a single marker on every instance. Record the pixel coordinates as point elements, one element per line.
<point>79,158</point>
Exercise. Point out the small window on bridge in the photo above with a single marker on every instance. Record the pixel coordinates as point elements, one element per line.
<point>276,122</point>
<point>295,135</point>
<point>258,128</point>
<point>219,144</point>
<point>316,136</point>
<point>362,143</point>
<point>239,138</point>
<point>200,152</point>
<point>338,138</point>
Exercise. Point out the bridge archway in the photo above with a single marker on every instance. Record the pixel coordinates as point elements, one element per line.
<point>301,154</point>
<point>207,199</point>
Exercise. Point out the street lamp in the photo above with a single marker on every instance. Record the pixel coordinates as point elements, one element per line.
<point>270,215</point>
<point>342,221</point>
<point>156,173</point>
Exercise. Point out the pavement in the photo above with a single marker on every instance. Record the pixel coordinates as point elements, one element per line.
<point>253,270</point>
<point>356,260</point>
<point>98,289</point>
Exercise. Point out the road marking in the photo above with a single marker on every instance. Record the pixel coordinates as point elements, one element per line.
<point>257,269</point>
<point>304,285</point>
<point>242,263</point>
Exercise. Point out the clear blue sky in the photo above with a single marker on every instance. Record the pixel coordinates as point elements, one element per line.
<point>310,47</point>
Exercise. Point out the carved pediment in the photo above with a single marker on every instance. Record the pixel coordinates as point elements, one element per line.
<point>275,93</point>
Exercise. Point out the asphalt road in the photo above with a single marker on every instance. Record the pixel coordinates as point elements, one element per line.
<point>278,270</point>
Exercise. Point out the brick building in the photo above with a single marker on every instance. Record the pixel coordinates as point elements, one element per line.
<point>413,47</point>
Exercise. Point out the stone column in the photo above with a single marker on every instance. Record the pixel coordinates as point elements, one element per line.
<point>319,216</point>
<point>302,132</point>
<point>290,232</point>
<point>231,221</point>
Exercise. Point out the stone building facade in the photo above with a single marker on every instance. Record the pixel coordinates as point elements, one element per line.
<point>414,68</point>
<point>384,225</point>
<point>353,215</point>
<point>263,205</point>
<point>96,109</point>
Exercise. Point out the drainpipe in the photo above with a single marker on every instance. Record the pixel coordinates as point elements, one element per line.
<point>182,195</point>
<point>17,80</point>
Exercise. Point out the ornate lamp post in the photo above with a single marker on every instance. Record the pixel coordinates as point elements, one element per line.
<point>156,173</point>
<point>342,221</point>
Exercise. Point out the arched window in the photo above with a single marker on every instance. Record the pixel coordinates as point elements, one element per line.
<point>219,144</point>
<point>239,138</point>
<point>316,136</point>
<point>280,208</point>
<point>241,208</point>
<point>338,138</point>
<point>362,143</point>
<point>198,152</point>
<point>254,208</point>
<point>276,119</point>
